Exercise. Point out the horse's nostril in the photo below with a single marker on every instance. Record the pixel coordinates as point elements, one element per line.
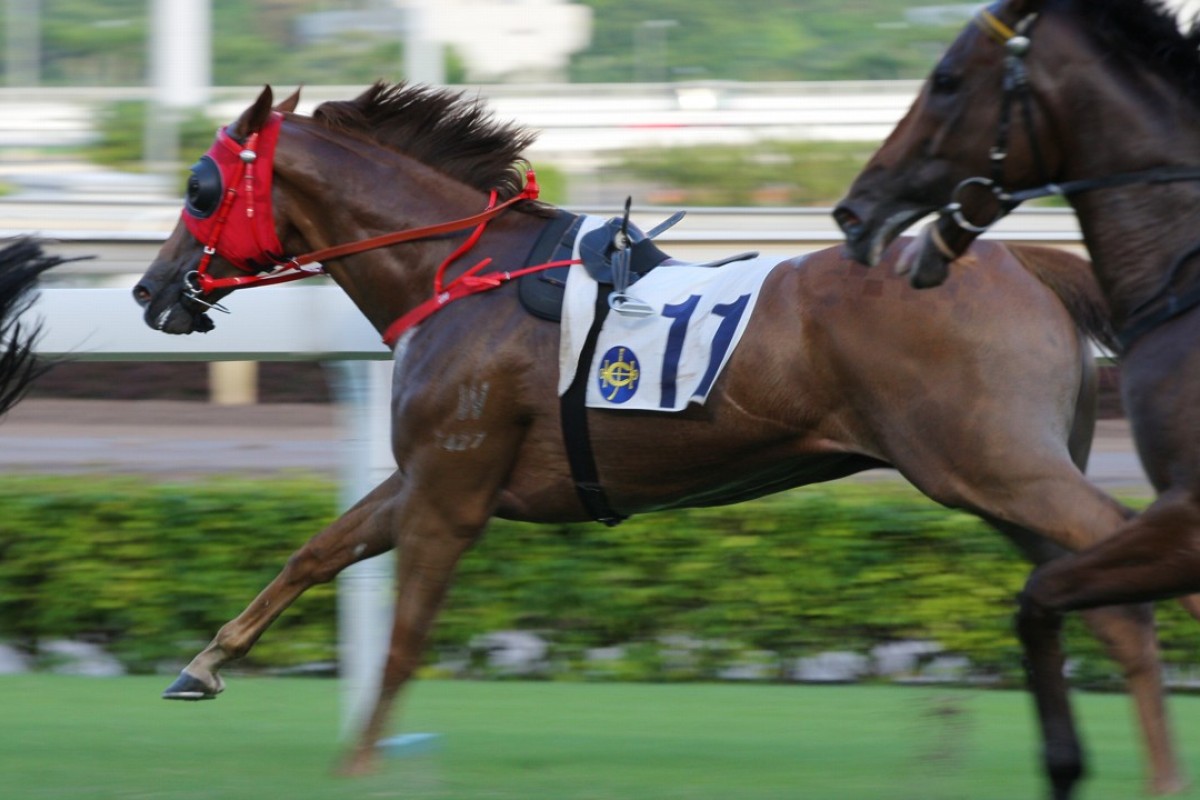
<point>847,220</point>
<point>142,295</point>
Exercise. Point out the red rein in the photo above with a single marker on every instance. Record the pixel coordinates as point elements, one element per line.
<point>251,245</point>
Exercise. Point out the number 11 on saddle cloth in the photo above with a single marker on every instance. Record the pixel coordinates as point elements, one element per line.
<point>665,361</point>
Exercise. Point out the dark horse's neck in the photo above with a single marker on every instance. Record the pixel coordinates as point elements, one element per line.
<point>1144,241</point>
<point>1120,117</point>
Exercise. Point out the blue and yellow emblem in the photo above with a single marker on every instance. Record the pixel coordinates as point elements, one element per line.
<point>618,375</point>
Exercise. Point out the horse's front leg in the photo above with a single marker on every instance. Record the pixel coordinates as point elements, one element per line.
<point>1040,635</point>
<point>1154,556</point>
<point>427,555</point>
<point>363,531</point>
<point>458,468</point>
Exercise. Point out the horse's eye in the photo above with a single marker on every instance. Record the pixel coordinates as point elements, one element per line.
<point>944,82</point>
<point>203,188</point>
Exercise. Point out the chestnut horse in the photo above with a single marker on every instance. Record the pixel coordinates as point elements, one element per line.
<point>21,263</point>
<point>1097,101</point>
<point>983,398</point>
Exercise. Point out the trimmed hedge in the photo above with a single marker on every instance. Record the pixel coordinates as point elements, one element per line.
<point>154,569</point>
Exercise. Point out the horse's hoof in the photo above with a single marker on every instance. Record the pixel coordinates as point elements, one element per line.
<point>1169,786</point>
<point>357,765</point>
<point>189,687</point>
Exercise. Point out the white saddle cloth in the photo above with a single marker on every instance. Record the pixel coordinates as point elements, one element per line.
<point>672,358</point>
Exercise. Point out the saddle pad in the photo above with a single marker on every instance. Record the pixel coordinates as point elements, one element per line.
<point>665,361</point>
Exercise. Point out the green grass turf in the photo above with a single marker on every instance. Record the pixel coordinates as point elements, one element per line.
<point>269,739</point>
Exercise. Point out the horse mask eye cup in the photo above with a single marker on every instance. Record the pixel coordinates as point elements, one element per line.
<point>204,189</point>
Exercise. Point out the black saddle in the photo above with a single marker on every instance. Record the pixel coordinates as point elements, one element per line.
<point>542,292</point>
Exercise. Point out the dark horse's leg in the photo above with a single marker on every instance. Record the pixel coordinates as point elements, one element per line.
<point>1154,556</point>
<point>1072,514</point>
<point>1044,662</point>
<point>1127,632</point>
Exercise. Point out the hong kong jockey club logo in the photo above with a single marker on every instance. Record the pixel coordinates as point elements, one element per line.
<point>618,375</point>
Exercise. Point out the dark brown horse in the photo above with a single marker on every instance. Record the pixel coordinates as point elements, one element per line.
<point>982,397</point>
<point>21,263</point>
<point>1098,101</point>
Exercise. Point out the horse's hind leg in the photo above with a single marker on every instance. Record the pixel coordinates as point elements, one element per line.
<point>1154,556</point>
<point>1030,491</point>
<point>1057,503</point>
<point>1128,634</point>
<point>363,531</point>
<point>1039,630</point>
<point>1044,662</point>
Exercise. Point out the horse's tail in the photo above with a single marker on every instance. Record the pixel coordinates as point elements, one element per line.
<point>1070,277</point>
<point>21,263</point>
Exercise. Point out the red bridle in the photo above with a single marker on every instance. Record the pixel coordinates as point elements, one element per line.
<point>252,245</point>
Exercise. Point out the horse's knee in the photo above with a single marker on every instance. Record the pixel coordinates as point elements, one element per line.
<point>1033,617</point>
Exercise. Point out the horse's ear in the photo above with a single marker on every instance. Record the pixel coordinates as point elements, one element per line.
<point>289,103</point>
<point>254,117</point>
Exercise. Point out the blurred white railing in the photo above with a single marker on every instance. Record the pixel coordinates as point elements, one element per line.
<point>122,238</point>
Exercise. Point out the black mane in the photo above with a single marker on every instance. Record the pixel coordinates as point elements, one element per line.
<point>1149,34</point>
<point>438,127</point>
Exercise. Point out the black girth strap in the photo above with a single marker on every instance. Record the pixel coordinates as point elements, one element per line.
<point>1175,306</point>
<point>573,406</point>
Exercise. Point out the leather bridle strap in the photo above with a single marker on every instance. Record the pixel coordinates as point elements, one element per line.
<point>990,24</point>
<point>1016,45</point>
<point>1148,176</point>
<point>473,284</point>
<point>530,192</point>
<point>294,268</point>
<point>1016,87</point>
<point>1016,83</point>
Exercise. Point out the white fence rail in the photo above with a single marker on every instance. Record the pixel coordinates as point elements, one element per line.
<point>315,323</point>
<point>122,238</point>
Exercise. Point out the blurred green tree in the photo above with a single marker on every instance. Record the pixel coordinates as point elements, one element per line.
<point>255,41</point>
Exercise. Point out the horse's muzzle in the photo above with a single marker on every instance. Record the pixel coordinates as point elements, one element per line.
<point>170,317</point>
<point>868,233</point>
<point>858,246</point>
